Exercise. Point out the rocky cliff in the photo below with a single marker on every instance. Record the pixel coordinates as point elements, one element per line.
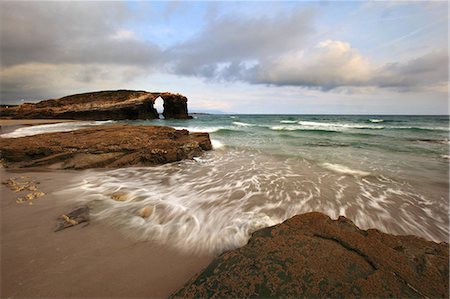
<point>312,256</point>
<point>103,105</point>
<point>110,146</point>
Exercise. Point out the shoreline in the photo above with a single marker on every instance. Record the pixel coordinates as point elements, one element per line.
<point>29,121</point>
<point>82,261</point>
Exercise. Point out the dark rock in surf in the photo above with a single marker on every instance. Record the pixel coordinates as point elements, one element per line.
<point>312,256</point>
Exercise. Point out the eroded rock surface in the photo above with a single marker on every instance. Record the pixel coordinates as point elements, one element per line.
<point>312,256</point>
<point>110,146</point>
<point>103,105</point>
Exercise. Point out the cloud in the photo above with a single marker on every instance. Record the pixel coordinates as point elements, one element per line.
<point>37,81</point>
<point>328,65</point>
<point>236,39</point>
<point>51,49</point>
<point>425,72</point>
<point>71,32</point>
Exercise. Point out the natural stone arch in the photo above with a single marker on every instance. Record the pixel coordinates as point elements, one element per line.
<point>175,105</point>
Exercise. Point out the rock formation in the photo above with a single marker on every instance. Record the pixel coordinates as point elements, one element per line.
<point>103,105</point>
<point>110,146</point>
<point>312,256</point>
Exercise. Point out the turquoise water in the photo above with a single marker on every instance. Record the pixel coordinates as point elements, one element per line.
<point>384,172</point>
<point>406,147</point>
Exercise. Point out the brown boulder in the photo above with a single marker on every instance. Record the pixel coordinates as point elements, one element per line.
<point>312,256</point>
<point>110,146</point>
<point>103,105</point>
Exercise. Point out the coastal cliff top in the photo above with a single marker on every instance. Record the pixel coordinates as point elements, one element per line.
<point>109,146</point>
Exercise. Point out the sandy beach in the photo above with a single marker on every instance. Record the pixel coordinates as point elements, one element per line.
<point>85,261</point>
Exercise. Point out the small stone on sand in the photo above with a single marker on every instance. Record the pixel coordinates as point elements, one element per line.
<point>119,196</point>
<point>146,212</point>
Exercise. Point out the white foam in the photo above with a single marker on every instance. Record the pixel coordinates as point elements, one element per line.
<point>51,128</point>
<point>374,120</point>
<point>216,202</point>
<point>288,121</point>
<point>338,126</point>
<point>201,129</point>
<point>344,169</point>
<point>285,128</point>
<point>217,144</point>
<point>243,124</point>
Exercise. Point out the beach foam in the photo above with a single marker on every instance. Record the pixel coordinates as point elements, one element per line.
<point>344,169</point>
<point>214,203</point>
<point>217,144</point>
<point>51,128</point>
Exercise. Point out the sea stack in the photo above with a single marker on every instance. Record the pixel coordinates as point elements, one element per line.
<point>104,105</point>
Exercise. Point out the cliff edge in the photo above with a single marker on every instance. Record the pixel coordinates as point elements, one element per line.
<point>103,105</point>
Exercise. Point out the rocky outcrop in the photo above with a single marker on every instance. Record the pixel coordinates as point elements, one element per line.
<point>175,106</point>
<point>312,256</point>
<point>103,105</point>
<point>110,146</point>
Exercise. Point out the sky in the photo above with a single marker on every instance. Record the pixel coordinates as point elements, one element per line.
<point>300,57</point>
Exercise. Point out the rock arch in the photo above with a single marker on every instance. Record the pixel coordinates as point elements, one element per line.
<point>175,105</point>
<point>104,105</point>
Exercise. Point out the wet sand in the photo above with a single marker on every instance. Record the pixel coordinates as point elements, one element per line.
<point>90,261</point>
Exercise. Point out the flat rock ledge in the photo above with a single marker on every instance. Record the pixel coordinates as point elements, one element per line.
<point>312,256</point>
<point>109,146</point>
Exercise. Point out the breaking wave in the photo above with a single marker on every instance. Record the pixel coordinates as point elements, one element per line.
<point>52,128</point>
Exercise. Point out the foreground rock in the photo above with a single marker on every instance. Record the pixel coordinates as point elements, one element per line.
<point>105,146</point>
<point>312,256</point>
<point>74,217</point>
<point>103,105</point>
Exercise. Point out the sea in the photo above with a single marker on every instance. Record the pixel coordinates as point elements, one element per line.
<point>385,172</point>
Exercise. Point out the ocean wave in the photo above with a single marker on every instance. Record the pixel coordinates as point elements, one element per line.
<point>52,128</point>
<point>201,129</point>
<point>301,128</point>
<point>288,121</point>
<point>243,124</point>
<point>344,169</point>
<point>216,144</point>
<point>339,126</point>
<point>418,129</point>
<point>375,120</point>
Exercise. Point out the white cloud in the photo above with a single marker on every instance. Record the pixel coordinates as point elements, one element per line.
<point>329,64</point>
